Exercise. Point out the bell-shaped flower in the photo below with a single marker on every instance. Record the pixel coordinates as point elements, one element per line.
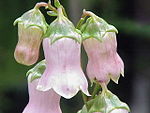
<point>63,72</point>
<point>104,63</point>
<point>31,28</point>
<point>40,102</point>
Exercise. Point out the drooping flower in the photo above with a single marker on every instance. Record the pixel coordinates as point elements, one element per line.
<point>31,28</point>
<point>40,102</point>
<point>104,62</point>
<point>63,72</point>
<point>100,44</point>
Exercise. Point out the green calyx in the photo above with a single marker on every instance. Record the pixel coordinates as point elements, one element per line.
<point>96,27</point>
<point>37,71</point>
<point>61,27</point>
<point>104,103</point>
<point>33,17</point>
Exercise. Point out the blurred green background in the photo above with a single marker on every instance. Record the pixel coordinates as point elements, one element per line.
<point>130,17</point>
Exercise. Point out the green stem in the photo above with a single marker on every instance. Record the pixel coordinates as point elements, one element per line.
<point>96,89</point>
<point>58,5</point>
<point>104,88</point>
<point>41,4</point>
<point>80,23</point>
<point>84,97</point>
<point>52,7</point>
<point>64,11</point>
<point>84,15</point>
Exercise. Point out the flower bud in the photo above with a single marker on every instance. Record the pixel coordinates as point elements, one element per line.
<point>31,28</point>
<point>63,72</point>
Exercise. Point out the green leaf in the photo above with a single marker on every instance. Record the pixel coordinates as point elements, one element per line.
<point>105,103</point>
<point>37,71</point>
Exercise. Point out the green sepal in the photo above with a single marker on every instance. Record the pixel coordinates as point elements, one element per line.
<point>33,17</point>
<point>60,28</point>
<point>105,103</point>
<point>96,27</point>
<point>57,3</point>
<point>37,71</point>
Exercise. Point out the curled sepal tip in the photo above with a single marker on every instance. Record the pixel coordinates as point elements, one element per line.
<point>95,27</point>
<point>105,102</point>
<point>62,27</point>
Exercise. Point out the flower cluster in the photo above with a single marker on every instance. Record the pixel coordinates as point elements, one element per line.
<point>60,74</point>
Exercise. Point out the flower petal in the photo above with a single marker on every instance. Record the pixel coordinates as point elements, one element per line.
<point>41,102</point>
<point>63,72</point>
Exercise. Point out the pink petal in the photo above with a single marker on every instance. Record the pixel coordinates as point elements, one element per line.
<point>42,102</point>
<point>63,71</point>
<point>104,62</point>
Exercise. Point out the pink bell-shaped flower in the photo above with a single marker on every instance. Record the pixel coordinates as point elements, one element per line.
<point>41,102</point>
<point>63,71</point>
<point>104,62</point>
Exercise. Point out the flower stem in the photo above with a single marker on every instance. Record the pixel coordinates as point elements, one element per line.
<point>96,88</point>
<point>51,7</point>
<point>64,11</point>
<point>84,97</point>
<point>104,88</point>
<point>41,4</point>
<point>54,9</point>
<point>80,22</point>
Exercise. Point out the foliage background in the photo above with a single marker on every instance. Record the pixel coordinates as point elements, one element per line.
<point>132,19</point>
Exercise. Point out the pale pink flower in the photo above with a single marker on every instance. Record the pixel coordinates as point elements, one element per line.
<point>27,49</point>
<point>104,62</point>
<point>41,102</point>
<point>63,71</point>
